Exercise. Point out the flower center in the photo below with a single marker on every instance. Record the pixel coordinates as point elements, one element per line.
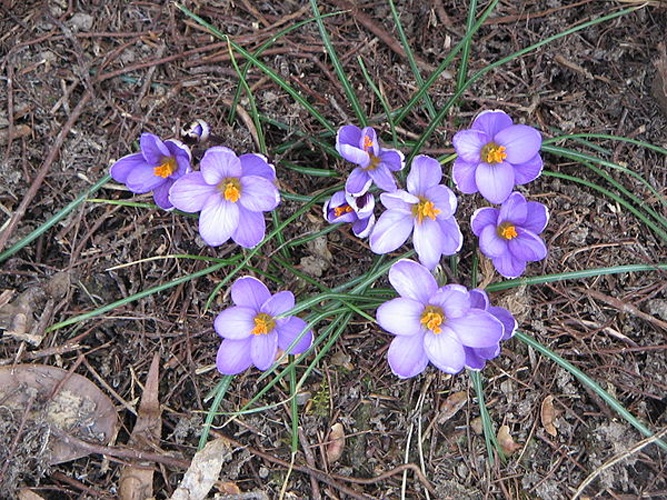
<point>230,189</point>
<point>423,209</point>
<point>343,209</point>
<point>166,168</point>
<point>432,318</point>
<point>507,231</point>
<point>368,143</point>
<point>493,153</point>
<point>263,324</point>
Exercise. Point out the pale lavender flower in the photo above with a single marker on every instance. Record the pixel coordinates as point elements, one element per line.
<point>426,210</point>
<point>495,155</point>
<point>375,164</point>
<point>509,236</point>
<point>357,210</point>
<point>232,193</point>
<point>476,357</point>
<point>433,324</point>
<point>154,168</point>
<point>253,330</point>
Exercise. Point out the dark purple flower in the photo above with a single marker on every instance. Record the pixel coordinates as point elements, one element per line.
<point>476,357</point>
<point>253,329</point>
<point>495,155</point>
<point>232,193</point>
<point>154,168</point>
<point>432,324</point>
<point>426,210</point>
<point>376,164</point>
<point>358,211</point>
<point>510,236</point>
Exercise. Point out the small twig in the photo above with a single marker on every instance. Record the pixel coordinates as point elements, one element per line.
<point>310,460</point>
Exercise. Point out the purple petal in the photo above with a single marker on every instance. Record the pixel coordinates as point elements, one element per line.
<point>506,318</point>
<point>190,193</point>
<point>399,200</point>
<point>412,281</point>
<point>528,170</point>
<point>468,145</point>
<point>509,266</point>
<point>483,217</point>
<point>354,155</point>
<point>392,159</point>
<point>263,350</point>
<point>491,122</point>
<point>256,164</point>
<point>444,200</point>
<point>406,356</point>
<point>258,194</point>
<point>400,316</point>
<point>337,200</point>
<point>153,149</point>
<point>217,221</point>
<point>235,323</point>
<point>527,246</point>
<point>391,230</point>
<point>142,179</point>
<point>289,330</point>
<point>121,169</point>
<point>363,227</point>
<point>363,205</point>
<point>369,132</point>
<point>358,182</point>
<point>161,195</point>
<point>453,300</point>
<point>452,238</point>
<point>250,229</point>
<point>425,173</point>
<point>348,134</point>
<point>479,299</point>
<point>495,182</point>
<point>183,157</point>
<point>427,239</point>
<point>490,243</point>
<point>233,356</point>
<point>537,218</point>
<point>219,163</point>
<point>250,292</point>
<point>445,351</point>
<point>463,173</point>
<point>513,209</point>
<point>477,328</point>
<point>279,303</point>
<point>474,361</point>
<point>522,143</point>
<point>383,178</point>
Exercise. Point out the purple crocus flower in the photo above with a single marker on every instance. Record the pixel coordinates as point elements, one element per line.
<point>433,324</point>
<point>357,210</point>
<point>495,155</point>
<point>427,207</point>
<point>376,164</point>
<point>154,168</point>
<point>476,358</point>
<point>253,331</point>
<point>231,192</point>
<point>509,236</point>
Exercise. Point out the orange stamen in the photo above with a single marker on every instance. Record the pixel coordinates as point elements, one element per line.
<point>166,168</point>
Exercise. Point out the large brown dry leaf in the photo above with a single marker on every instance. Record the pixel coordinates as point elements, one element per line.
<point>136,481</point>
<point>77,408</point>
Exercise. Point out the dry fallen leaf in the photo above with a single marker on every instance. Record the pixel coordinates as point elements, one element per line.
<point>452,405</point>
<point>136,481</point>
<point>203,471</point>
<point>78,408</point>
<point>336,442</point>
<point>506,441</point>
<point>548,415</point>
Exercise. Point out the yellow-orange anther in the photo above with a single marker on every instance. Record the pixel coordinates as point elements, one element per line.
<point>231,189</point>
<point>368,143</point>
<point>166,168</point>
<point>343,209</point>
<point>493,153</point>
<point>263,324</point>
<point>507,231</point>
<point>425,208</point>
<point>432,318</point>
